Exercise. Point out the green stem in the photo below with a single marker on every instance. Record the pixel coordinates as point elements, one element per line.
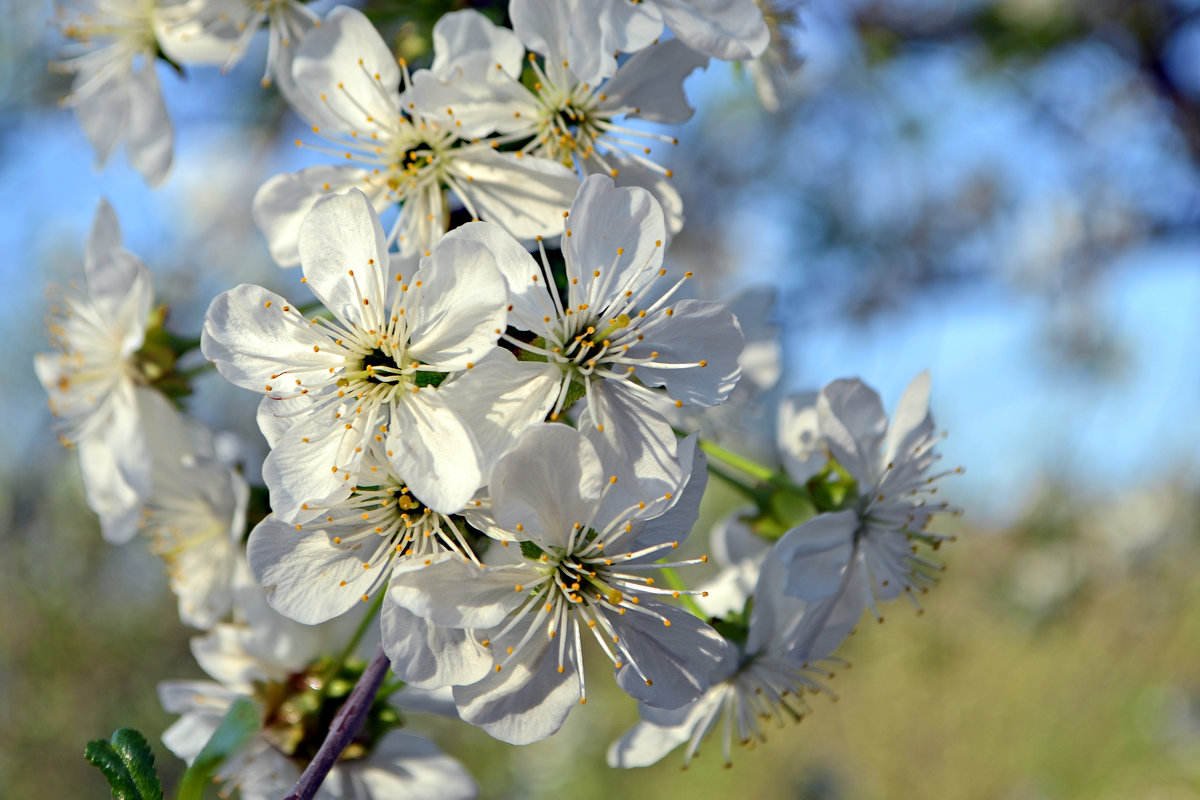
<point>676,583</point>
<point>743,487</point>
<point>752,468</point>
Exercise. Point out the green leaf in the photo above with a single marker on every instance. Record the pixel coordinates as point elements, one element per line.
<point>128,764</point>
<point>240,724</point>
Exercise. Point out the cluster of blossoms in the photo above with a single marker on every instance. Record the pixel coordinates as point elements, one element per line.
<point>477,431</point>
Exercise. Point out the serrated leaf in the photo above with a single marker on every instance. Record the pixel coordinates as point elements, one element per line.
<point>236,730</point>
<point>127,764</point>
<point>531,550</point>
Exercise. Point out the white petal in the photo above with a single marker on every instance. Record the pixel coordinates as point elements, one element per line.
<point>343,252</point>
<point>911,423</point>
<point>454,592</point>
<point>499,398</point>
<point>732,30</point>
<point>281,204</point>
<point>428,655</point>
<point>697,331</point>
<point>254,342</point>
<point>548,483</point>
<point>460,306</point>
<point>149,137</point>
<point>799,437</point>
<point>525,196</point>
<point>817,553</point>
<point>853,422</point>
<point>645,743</point>
<point>626,429</point>
<point>605,219</point>
<point>652,83</point>
<point>311,462</point>
<point>102,110</point>
<point>527,293</point>
<point>528,699</point>
<point>402,765</point>
<point>467,33</point>
<point>433,450</point>
<point>677,659</point>
<point>105,236</point>
<point>306,576</point>
<point>340,60</point>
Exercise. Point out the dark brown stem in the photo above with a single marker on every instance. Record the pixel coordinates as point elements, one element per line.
<point>347,724</point>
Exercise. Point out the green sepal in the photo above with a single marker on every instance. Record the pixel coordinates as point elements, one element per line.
<point>237,728</point>
<point>526,355</point>
<point>128,764</point>
<point>736,626</point>
<point>425,378</point>
<point>531,551</point>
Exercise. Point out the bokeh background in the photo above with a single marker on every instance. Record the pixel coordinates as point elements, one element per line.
<point>1005,192</point>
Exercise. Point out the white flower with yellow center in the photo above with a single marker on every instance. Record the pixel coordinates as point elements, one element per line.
<point>599,29</point>
<point>845,562</point>
<point>350,83</point>
<point>616,335</point>
<point>115,93</point>
<point>340,555</point>
<point>564,118</point>
<point>364,381</point>
<point>98,389</point>
<point>582,566</point>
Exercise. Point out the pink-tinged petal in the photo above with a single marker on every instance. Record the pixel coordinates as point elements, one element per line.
<point>613,228</point>
<point>451,591</point>
<point>468,34</point>
<point>732,30</point>
<point>697,332</point>
<point>650,85</point>
<point>431,656</point>
<point>306,576</point>
<point>149,137</point>
<point>499,398</point>
<point>549,482</point>
<point>817,554</point>
<point>853,423</point>
<point>255,337</point>
<point>456,305</point>
<point>528,698</point>
<point>526,284</point>
<point>433,450</point>
<point>281,204</point>
<point>673,662</point>
<point>343,252</point>
<point>525,196</point>
<point>347,67</point>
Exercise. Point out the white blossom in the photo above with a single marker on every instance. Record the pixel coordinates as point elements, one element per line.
<point>115,93</point>
<point>846,561</point>
<point>349,84</point>
<point>582,566</point>
<point>564,118</point>
<point>366,380</point>
<point>613,339</point>
<point>599,29</point>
